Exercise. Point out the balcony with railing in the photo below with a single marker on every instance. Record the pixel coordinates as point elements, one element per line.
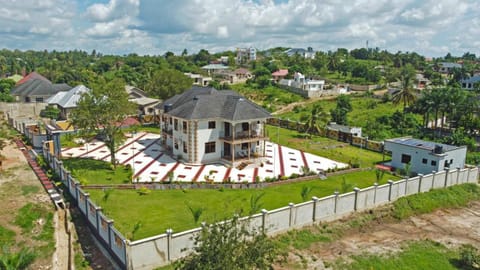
<point>242,136</point>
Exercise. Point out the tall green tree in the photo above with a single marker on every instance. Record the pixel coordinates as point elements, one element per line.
<point>230,245</point>
<point>102,110</point>
<point>317,119</point>
<point>339,113</point>
<point>406,93</point>
<point>166,83</point>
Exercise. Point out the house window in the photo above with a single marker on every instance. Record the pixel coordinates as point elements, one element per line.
<point>433,163</point>
<point>211,124</point>
<point>170,120</point>
<point>39,99</point>
<point>176,144</point>
<point>424,161</point>
<point>209,147</point>
<point>245,126</point>
<point>244,146</point>
<point>451,161</point>
<point>446,164</point>
<point>184,127</point>
<point>175,124</point>
<point>406,159</point>
<point>185,147</point>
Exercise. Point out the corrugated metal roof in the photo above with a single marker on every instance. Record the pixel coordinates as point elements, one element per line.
<point>68,99</point>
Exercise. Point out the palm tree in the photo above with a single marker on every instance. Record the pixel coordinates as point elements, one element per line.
<point>316,120</point>
<point>406,93</point>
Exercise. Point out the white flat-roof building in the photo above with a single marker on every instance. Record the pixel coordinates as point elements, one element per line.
<point>424,156</point>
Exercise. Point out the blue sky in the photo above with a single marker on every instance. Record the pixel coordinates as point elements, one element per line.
<point>429,27</point>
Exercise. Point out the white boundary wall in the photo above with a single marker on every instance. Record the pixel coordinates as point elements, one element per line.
<point>162,249</point>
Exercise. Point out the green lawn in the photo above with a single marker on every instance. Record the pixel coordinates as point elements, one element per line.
<point>416,255</point>
<point>160,210</point>
<point>324,147</point>
<point>364,109</point>
<point>91,171</point>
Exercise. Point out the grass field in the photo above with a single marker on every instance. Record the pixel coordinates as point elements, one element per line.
<point>160,210</point>
<point>271,97</point>
<point>324,147</point>
<point>416,255</point>
<point>91,171</point>
<point>364,109</point>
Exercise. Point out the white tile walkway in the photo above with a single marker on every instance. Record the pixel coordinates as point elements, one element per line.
<point>150,164</point>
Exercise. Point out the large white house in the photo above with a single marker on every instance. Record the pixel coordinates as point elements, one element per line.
<point>424,156</point>
<point>204,125</point>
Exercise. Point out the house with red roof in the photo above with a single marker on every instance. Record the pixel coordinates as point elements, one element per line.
<point>279,75</point>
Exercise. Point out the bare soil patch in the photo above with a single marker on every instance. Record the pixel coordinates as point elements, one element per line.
<point>19,186</point>
<point>450,227</point>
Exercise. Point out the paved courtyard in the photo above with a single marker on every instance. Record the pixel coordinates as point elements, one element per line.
<point>150,163</point>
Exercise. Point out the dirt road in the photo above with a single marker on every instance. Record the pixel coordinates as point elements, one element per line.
<point>451,227</point>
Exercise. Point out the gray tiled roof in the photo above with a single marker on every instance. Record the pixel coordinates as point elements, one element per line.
<point>39,87</point>
<point>208,103</point>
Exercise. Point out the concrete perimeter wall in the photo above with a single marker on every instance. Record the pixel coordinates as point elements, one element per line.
<point>101,225</point>
<point>162,249</point>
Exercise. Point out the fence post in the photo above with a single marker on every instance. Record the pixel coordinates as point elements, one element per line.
<point>355,206</point>
<point>390,182</point>
<point>292,206</point>
<point>406,186</point>
<point>169,243</point>
<point>375,193</point>
<point>458,175</point>
<point>60,169</point>
<point>110,225</point>
<point>336,193</point>
<point>433,178</point>
<point>77,186</point>
<point>264,219</point>
<point>97,209</point>
<point>420,182</point>
<point>447,172</point>
<point>87,196</point>
<point>314,214</point>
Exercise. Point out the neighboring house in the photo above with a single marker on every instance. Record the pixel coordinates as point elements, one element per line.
<point>343,133</point>
<point>306,87</point>
<point>279,75</point>
<point>424,156</point>
<point>240,75</point>
<point>447,67</point>
<point>68,100</point>
<point>309,53</point>
<point>204,125</point>
<point>214,68</point>
<point>245,55</point>
<point>199,79</point>
<point>36,88</point>
<point>469,84</point>
<point>146,105</point>
<point>420,81</point>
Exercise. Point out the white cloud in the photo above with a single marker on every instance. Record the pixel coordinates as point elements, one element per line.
<point>114,9</point>
<point>431,27</point>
